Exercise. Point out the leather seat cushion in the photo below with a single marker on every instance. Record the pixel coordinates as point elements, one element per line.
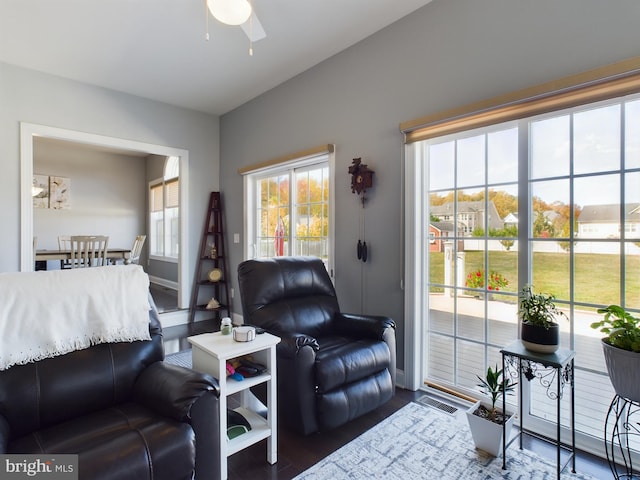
<point>351,401</point>
<point>126,441</point>
<point>341,361</point>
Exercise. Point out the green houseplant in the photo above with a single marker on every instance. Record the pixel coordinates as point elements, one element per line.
<point>621,348</point>
<point>486,419</point>
<point>539,331</point>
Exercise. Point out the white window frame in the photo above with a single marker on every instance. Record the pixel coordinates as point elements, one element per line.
<point>288,167</point>
<point>171,174</point>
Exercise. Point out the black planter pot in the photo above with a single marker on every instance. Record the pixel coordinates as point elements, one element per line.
<point>540,339</point>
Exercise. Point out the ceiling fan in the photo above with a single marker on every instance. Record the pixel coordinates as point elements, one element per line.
<point>237,12</point>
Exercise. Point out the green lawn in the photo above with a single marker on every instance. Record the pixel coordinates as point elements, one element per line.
<point>597,276</point>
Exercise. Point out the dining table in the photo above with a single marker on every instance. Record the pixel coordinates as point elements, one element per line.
<point>113,254</point>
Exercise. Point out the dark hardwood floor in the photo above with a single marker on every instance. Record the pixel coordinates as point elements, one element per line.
<point>166,299</point>
<point>296,453</point>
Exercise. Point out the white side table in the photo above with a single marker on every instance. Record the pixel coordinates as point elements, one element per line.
<point>210,354</point>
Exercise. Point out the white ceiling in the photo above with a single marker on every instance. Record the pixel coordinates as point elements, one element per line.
<point>157,48</point>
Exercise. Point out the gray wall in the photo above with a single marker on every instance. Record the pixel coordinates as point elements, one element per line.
<point>33,97</point>
<point>447,54</point>
<point>108,193</point>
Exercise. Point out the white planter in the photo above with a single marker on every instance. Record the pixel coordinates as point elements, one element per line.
<point>623,367</point>
<point>487,435</point>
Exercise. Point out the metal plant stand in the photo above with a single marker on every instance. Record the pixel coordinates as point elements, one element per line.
<point>621,434</point>
<point>554,371</point>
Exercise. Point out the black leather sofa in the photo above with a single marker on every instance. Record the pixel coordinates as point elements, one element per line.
<point>332,366</point>
<point>125,412</point>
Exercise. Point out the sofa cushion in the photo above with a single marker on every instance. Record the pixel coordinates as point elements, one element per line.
<point>46,393</point>
<point>341,361</point>
<point>125,441</point>
<point>353,400</point>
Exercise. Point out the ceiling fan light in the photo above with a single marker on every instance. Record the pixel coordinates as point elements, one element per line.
<point>231,12</point>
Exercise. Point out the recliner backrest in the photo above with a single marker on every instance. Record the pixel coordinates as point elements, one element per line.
<point>291,294</point>
<point>39,394</point>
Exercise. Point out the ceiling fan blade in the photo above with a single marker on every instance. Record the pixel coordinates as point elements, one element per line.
<point>253,28</point>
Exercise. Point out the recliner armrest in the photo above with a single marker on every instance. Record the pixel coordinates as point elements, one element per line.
<point>371,326</point>
<point>291,343</point>
<point>171,390</point>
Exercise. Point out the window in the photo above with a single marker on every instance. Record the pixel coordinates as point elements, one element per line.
<point>566,177</point>
<point>164,212</point>
<point>289,209</point>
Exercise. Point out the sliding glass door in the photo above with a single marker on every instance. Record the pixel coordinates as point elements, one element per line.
<point>551,201</point>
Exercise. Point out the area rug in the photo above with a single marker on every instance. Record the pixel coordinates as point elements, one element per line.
<point>419,442</point>
<point>182,358</point>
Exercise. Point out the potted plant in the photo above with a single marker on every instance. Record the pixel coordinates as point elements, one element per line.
<point>621,349</point>
<point>485,419</point>
<point>538,330</point>
<point>495,281</point>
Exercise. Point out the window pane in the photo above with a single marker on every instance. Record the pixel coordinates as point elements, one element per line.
<point>173,193</point>
<point>503,322</point>
<point>272,216</point>
<point>632,134</point>
<point>312,222</point>
<point>550,209</point>
<point>550,147</point>
<point>597,272</point>
<point>598,201</point>
<point>632,274</point>
<point>156,200</point>
<point>550,268</point>
<point>597,140</point>
<point>470,161</point>
<point>503,268</point>
<point>441,313</point>
<point>172,220</point>
<point>441,166</point>
<point>632,207</point>
<point>171,168</point>
<point>472,215</point>
<point>470,323</point>
<point>470,358</point>
<point>156,226</point>
<point>472,264</point>
<point>502,156</point>
<point>440,354</point>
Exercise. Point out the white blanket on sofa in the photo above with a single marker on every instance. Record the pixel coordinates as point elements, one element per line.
<point>49,313</point>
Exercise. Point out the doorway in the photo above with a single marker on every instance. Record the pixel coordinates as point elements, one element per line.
<point>27,134</point>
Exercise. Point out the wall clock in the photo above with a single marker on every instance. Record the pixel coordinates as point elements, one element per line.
<point>361,177</point>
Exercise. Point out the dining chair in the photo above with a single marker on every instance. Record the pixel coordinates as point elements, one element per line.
<point>136,250</point>
<point>89,250</point>
<point>64,243</point>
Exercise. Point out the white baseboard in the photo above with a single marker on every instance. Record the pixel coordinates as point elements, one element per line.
<point>174,318</point>
<point>163,282</point>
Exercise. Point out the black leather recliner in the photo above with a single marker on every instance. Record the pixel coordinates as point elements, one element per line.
<point>125,412</point>
<point>332,366</point>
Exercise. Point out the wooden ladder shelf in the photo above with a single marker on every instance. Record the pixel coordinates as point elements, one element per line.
<point>211,278</point>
